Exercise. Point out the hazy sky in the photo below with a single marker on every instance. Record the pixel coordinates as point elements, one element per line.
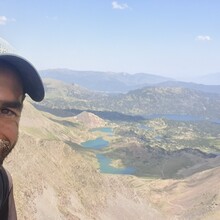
<point>176,38</point>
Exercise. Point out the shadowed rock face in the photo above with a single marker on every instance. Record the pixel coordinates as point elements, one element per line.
<point>55,181</point>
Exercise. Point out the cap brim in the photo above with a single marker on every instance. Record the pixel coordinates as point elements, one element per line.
<point>30,78</point>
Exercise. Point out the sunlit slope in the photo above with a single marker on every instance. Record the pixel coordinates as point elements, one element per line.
<point>196,197</point>
<point>55,181</point>
<point>44,126</point>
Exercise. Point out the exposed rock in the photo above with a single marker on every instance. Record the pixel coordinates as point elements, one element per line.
<point>90,120</point>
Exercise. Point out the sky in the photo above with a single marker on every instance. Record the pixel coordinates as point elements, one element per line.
<point>173,38</point>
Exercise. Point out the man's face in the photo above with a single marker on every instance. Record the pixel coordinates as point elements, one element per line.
<point>11,98</point>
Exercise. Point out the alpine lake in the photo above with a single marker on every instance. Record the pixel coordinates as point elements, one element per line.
<point>99,144</point>
<point>104,162</point>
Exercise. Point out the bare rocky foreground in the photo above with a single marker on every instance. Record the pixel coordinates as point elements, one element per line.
<point>53,181</point>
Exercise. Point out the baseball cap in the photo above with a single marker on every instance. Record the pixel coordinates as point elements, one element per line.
<point>32,83</point>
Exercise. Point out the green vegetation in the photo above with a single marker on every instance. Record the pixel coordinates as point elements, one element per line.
<point>165,148</point>
<point>156,147</point>
<point>141,102</point>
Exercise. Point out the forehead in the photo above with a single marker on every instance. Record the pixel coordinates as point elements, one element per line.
<point>10,83</point>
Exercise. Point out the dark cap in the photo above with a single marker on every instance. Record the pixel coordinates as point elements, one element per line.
<point>32,83</point>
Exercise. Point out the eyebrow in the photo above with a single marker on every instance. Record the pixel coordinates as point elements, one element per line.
<point>11,104</point>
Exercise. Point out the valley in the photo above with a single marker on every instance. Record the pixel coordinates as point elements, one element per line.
<point>110,110</point>
<point>107,163</point>
<point>137,104</point>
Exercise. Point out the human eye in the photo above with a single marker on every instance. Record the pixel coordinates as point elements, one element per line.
<point>6,112</point>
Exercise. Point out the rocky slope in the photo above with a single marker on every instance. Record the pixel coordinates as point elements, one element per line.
<point>55,178</point>
<point>54,181</point>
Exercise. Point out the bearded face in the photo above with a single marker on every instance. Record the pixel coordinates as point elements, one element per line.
<point>11,100</point>
<point>5,149</point>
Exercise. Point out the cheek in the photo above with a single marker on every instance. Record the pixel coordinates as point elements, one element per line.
<point>9,130</point>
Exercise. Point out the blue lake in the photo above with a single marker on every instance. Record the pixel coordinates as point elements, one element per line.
<point>104,162</point>
<point>107,130</point>
<point>106,168</point>
<point>96,144</point>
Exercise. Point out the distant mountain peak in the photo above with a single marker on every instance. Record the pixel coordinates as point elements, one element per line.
<point>104,81</point>
<point>90,120</point>
<point>209,79</point>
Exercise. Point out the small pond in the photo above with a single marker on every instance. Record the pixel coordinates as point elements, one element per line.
<point>106,168</point>
<point>96,144</point>
<point>104,162</point>
<point>107,130</point>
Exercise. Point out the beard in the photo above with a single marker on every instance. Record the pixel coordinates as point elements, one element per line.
<point>5,149</point>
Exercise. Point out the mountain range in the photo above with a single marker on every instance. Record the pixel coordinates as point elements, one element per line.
<point>175,164</point>
<point>209,79</point>
<point>124,82</point>
<point>104,81</point>
<point>163,99</point>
